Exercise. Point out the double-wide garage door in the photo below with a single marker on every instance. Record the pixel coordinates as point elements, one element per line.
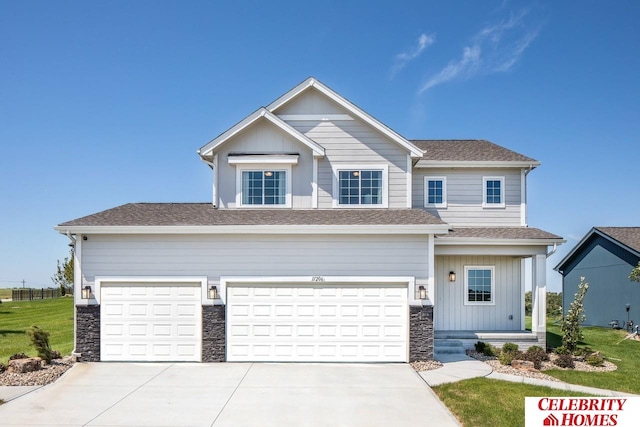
<point>150,322</point>
<point>317,322</point>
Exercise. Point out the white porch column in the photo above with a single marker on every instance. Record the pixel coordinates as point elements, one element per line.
<point>539,295</point>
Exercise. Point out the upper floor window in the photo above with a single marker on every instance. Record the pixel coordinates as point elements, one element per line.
<point>479,285</point>
<point>493,189</point>
<point>360,186</point>
<point>264,187</point>
<point>435,192</point>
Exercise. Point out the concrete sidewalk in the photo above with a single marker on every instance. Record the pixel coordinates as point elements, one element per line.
<point>9,393</point>
<point>461,367</point>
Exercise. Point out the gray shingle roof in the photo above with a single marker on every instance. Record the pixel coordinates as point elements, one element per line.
<point>629,236</point>
<point>468,150</point>
<point>204,214</point>
<point>499,233</point>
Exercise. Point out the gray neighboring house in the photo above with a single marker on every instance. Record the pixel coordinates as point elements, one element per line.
<point>604,257</point>
<point>328,237</point>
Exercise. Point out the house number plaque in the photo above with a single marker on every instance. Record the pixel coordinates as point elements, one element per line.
<point>317,279</point>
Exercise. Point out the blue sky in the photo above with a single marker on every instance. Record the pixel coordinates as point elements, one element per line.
<point>105,103</point>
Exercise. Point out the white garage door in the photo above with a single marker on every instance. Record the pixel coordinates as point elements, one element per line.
<point>150,322</point>
<point>320,323</point>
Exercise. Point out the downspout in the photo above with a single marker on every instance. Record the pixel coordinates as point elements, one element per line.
<point>524,195</point>
<point>553,251</point>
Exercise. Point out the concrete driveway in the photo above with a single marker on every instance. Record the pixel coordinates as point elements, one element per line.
<point>231,394</point>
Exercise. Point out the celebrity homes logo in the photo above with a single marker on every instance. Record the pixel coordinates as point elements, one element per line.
<point>582,411</point>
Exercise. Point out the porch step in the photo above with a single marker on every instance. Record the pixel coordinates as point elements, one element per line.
<point>448,346</point>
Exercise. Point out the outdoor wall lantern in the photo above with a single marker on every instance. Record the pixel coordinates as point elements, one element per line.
<point>422,292</point>
<point>213,292</point>
<point>452,276</point>
<point>86,292</point>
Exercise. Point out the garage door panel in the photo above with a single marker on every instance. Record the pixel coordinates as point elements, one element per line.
<point>151,322</point>
<point>332,323</point>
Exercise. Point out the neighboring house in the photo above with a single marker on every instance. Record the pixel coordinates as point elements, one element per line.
<point>604,257</point>
<point>329,237</point>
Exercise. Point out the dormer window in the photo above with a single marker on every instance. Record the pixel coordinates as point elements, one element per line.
<point>360,186</point>
<point>263,181</point>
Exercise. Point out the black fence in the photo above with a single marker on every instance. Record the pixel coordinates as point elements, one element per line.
<point>31,294</point>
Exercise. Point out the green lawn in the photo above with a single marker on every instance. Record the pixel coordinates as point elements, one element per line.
<point>467,400</point>
<point>53,315</point>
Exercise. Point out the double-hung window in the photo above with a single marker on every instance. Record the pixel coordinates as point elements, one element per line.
<point>264,187</point>
<point>360,186</point>
<point>479,285</point>
<point>435,191</point>
<point>493,189</point>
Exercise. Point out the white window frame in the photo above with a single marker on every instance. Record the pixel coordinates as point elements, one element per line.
<point>485,204</point>
<point>426,191</point>
<point>263,168</point>
<point>361,166</point>
<point>492,268</point>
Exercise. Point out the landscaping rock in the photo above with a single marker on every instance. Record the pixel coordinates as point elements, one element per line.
<point>523,365</point>
<point>20,366</point>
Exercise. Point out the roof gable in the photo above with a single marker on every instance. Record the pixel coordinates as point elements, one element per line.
<point>349,107</point>
<point>261,113</point>
<point>628,238</point>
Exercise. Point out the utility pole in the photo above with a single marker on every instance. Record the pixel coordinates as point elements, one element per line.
<point>22,283</point>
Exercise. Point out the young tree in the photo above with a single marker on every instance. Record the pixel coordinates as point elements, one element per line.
<point>635,273</point>
<point>571,333</point>
<point>64,274</point>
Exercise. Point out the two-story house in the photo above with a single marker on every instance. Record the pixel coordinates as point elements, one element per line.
<point>329,237</point>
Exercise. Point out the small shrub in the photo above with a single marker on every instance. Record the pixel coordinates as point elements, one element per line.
<point>564,361</point>
<point>490,351</point>
<point>536,355</point>
<point>3,367</point>
<point>509,347</point>
<point>506,358</point>
<point>480,346</point>
<point>40,340</point>
<point>18,356</point>
<point>595,359</point>
<point>561,350</point>
<point>582,352</point>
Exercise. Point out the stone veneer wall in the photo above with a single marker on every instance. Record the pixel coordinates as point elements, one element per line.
<point>420,333</point>
<point>88,332</point>
<point>214,347</point>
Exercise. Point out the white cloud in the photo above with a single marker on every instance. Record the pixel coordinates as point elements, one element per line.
<point>402,59</point>
<point>494,49</point>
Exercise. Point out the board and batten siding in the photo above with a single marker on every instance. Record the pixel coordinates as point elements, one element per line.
<point>263,137</point>
<point>465,196</point>
<point>347,142</point>
<point>450,312</point>
<point>253,255</point>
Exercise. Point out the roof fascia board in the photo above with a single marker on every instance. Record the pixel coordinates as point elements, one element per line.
<point>258,229</point>
<point>474,164</point>
<point>578,247</point>
<point>500,242</point>
<point>312,82</point>
<point>209,148</point>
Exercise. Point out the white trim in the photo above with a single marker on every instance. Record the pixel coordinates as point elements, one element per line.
<point>314,183</point>
<point>418,229</point>
<point>523,198</point>
<point>469,241</point>
<point>502,203</point>
<point>226,281</point>
<point>424,163</point>
<point>523,276</point>
<point>215,179</point>
<point>351,108</point>
<point>491,250</point>
<point>336,167</point>
<point>428,178</point>
<point>409,175</point>
<point>431,262</point>
<point>264,159</point>
<point>240,168</point>
<point>208,149</point>
<point>99,282</point>
<point>315,117</point>
<point>466,284</point>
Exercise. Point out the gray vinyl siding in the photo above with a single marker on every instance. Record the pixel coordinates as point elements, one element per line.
<point>265,138</point>
<point>465,196</point>
<point>348,142</point>
<point>450,312</point>
<point>253,255</point>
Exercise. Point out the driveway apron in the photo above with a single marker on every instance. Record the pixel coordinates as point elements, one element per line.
<point>231,394</point>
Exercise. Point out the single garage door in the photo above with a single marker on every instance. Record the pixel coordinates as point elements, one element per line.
<point>317,322</point>
<point>150,322</point>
